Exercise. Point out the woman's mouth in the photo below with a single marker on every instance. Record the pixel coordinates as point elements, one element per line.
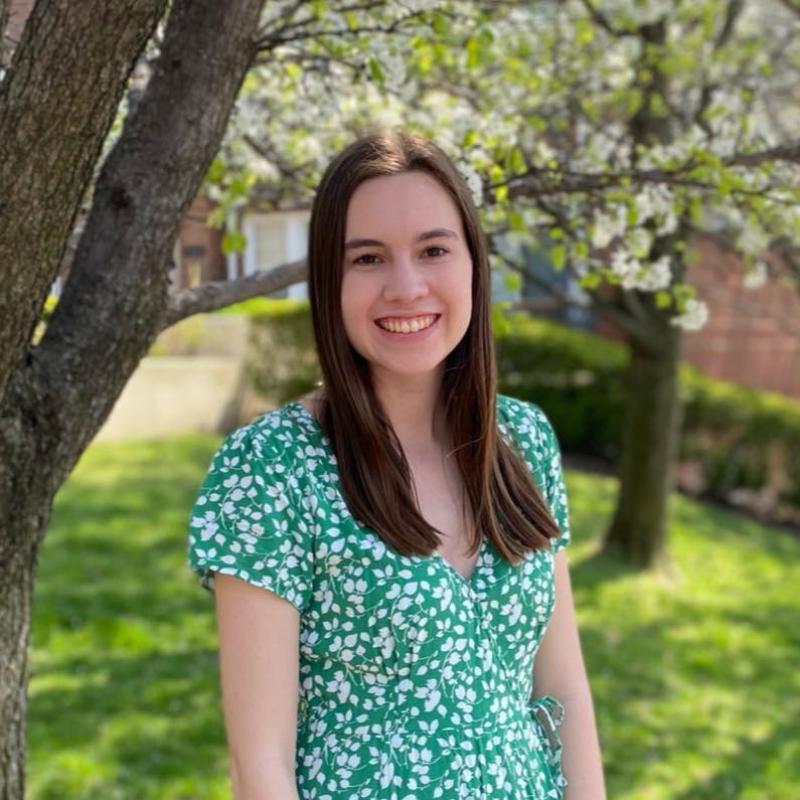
<point>408,327</point>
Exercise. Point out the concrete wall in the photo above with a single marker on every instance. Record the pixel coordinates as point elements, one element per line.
<point>171,394</point>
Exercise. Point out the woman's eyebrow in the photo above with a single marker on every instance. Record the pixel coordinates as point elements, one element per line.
<point>434,233</point>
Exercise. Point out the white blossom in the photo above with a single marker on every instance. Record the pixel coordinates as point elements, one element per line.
<point>752,239</point>
<point>607,227</point>
<point>626,267</point>
<point>757,277</point>
<point>657,275</point>
<point>394,69</point>
<point>640,240</point>
<point>694,315</point>
<point>473,180</point>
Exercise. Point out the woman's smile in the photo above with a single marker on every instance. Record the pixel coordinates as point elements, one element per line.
<point>407,327</point>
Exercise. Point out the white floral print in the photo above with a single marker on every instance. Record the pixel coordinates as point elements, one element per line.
<point>415,683</point>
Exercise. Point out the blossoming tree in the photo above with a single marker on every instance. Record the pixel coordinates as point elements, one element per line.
<point>609,134</point>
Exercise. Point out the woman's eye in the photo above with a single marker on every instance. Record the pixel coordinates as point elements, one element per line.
<point>360,260</point>
<point>434,251</point>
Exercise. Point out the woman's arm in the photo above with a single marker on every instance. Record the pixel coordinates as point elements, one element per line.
<point>259,670</point>
<point>560,671</point>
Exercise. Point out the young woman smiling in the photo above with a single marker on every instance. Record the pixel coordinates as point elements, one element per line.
<point>387,552</point>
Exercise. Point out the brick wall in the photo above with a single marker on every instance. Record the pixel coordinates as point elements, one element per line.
<point>752,336</point>
<point>199,248</point>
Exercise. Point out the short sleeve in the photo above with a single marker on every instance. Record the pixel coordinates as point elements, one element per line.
<point>249,520</point>
<point>538,442</point>
<point>555,489</point>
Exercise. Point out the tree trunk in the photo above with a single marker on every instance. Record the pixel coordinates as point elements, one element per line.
<point>55,396</point>
<point>651,430</point>
<point>17,579</point>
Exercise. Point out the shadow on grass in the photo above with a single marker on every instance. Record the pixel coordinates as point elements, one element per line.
<point>694,680</point>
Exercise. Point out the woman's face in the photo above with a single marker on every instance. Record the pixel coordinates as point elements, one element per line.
<point>407,268</point>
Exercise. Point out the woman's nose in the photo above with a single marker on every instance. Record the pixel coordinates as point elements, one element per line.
<point>405,281</point>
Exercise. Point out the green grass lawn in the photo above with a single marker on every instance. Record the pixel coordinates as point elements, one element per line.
<point>695,676</point>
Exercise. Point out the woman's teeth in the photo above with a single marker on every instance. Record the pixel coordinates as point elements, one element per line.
<point>407,325</point>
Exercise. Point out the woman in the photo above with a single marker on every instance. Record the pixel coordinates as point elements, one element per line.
<point>395,519</point>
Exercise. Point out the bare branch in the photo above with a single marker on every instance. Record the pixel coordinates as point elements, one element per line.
<point>284,16</point>
<point>600,19</point>
<point>732,14</point>
<point>790,151</point>
<point>219,294</point>
<point>268,152</point>
<point>562,298</point>
<point>281,37</point>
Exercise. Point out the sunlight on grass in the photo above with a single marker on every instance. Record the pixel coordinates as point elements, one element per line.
<point>693,673</point>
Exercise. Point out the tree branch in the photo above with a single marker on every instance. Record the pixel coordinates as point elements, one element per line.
<point>281,37</point>
<point>218,294</point>
<point>546,181</point>
<point>600,19</point>
<point>608,308</point>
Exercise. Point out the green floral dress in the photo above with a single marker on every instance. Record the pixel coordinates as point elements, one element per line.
<point>415,683</point>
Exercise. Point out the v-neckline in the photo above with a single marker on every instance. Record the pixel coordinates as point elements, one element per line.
<point>482,550</point>
<point>456,572</point>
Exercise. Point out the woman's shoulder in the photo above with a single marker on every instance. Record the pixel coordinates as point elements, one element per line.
<point>518,412</point>
<point>280,434</point>
<point>527,423</point>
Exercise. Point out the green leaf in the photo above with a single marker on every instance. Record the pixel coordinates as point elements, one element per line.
<point>513,281</point>
<point>233,242</point>
<point>663,299</point>
<point>216,217</point>
<point>240,186</point>
<point>591,280</point>
<point>558,256</point>
<point>584,31</point>
<point>500,322</point>
<point>473,53</point>
<point>517,161</point>
<point>375,70</point>
<point>516,221</point>
<point>216,171</point>
<point>496,173</point>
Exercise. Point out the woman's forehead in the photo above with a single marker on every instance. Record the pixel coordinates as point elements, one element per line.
<point>401,206</point>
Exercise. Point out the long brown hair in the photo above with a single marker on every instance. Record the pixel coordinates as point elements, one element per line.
<point>374,473</point>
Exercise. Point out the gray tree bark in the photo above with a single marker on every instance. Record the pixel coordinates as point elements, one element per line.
<point>56,105</point>
<point>651,431</point>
